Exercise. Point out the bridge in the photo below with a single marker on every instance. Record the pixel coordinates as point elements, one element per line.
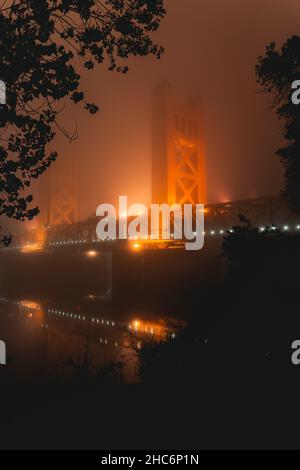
<point>219,219</point>
<point>178,176</point>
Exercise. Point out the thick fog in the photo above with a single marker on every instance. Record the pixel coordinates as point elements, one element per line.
<point>211,47</point>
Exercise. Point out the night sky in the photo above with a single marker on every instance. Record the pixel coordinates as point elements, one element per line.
<point>211,50</point>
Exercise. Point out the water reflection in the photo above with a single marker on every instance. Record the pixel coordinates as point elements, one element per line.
<point>51,340</point>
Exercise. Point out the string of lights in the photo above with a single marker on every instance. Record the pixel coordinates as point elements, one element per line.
<point>212,232</point>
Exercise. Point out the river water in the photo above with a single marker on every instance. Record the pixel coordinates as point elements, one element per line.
<point>48,339</point>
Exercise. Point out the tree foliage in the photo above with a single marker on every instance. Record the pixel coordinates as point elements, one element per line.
<point>44,46</point>
<point>275,72</point>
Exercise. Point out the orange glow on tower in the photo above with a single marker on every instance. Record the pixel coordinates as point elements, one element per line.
<point>178,157</point>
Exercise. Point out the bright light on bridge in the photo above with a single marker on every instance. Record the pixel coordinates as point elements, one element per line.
<point>92,253</point>
<point>136,246</point>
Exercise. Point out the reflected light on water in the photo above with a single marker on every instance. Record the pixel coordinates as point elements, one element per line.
<point>158,329</point>
<point>30,304</point>
<point>56,332</point>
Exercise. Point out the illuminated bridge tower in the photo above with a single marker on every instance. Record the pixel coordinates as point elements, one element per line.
<point>178,160</point>
<point>63,194</point>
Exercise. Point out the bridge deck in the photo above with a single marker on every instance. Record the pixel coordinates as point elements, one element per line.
<point>219,218</point>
